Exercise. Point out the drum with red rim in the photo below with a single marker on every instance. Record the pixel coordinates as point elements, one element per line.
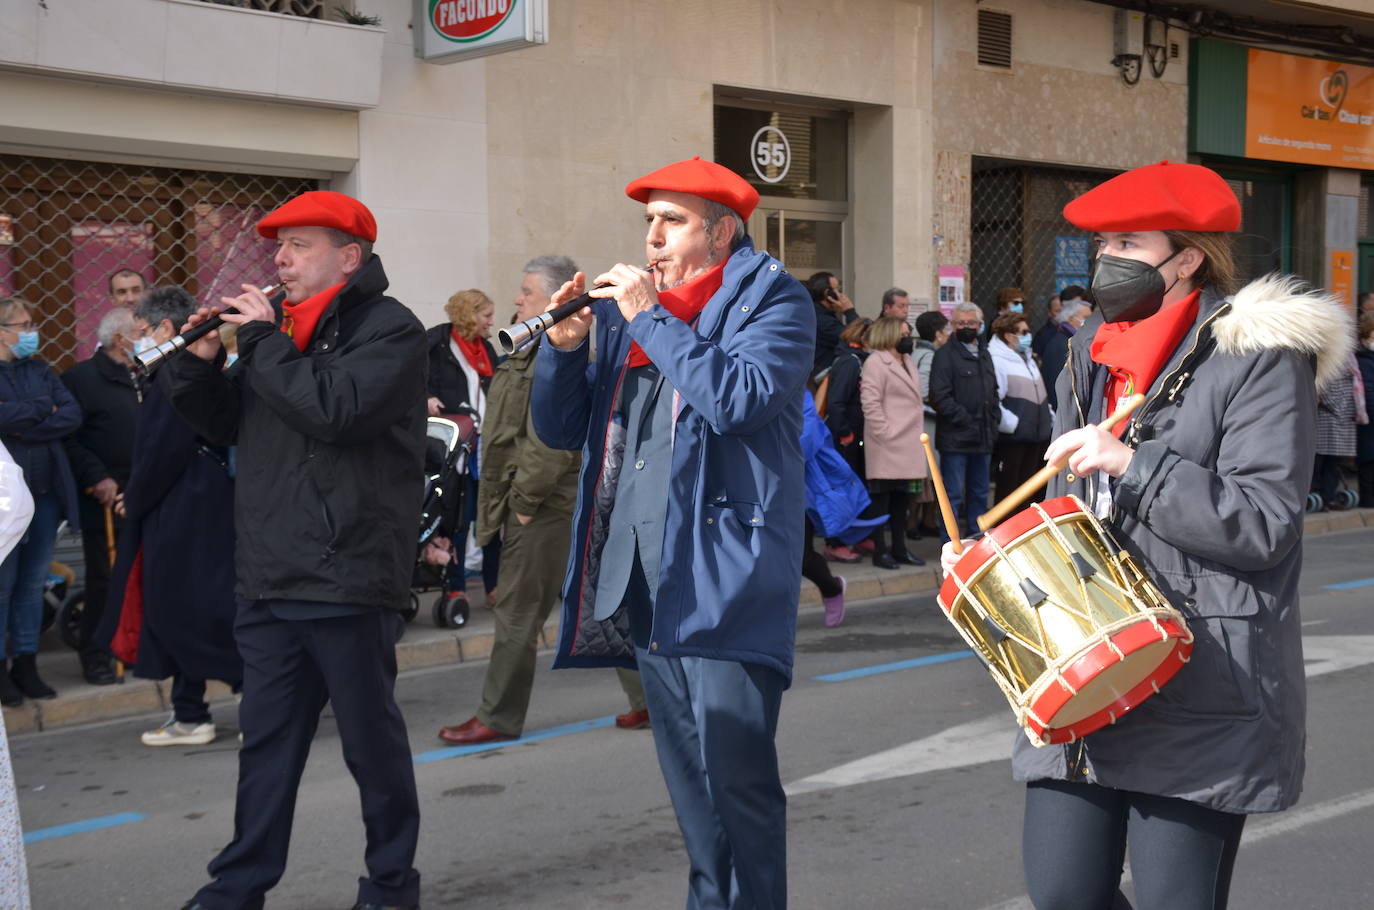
<point>1072,630</point>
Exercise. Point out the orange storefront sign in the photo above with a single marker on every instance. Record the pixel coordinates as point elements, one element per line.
<point>1309,111</point>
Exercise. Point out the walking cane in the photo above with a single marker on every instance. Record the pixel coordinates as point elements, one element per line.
<point>110,551</point>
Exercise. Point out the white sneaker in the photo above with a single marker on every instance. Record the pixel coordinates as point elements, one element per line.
<point>175,733</point>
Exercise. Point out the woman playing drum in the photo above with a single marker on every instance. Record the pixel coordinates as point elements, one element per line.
<point>1205,486</point>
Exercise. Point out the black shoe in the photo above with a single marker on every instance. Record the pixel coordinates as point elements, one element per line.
<point>194,905</point>
<point>10,696</point>
<point>914,534</point>
<point>883,561</point>
<point>906,559</point>
<point>24,673</point>
<point>96,670</point>
<point>362,906</point>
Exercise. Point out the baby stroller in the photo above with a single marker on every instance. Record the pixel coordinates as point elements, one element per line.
<point>448,447</point>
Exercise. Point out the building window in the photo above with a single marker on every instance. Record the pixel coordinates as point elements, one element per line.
<point>994,39</point>
<point>798,160</point>
<point>67,226</point>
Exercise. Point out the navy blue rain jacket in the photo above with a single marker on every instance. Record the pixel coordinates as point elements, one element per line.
<point>36,413</point>
<point>730,574</point>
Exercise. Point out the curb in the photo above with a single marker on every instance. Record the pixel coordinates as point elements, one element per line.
<point>136,697</point>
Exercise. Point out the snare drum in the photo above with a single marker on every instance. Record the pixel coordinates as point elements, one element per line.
<point>1073,632</point>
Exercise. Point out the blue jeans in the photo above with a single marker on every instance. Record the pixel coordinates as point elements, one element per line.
<point>966,482</point>
<point>23,573</point>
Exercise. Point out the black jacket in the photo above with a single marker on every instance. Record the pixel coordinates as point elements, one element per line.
<point>447,382</point>
<point>109,397</point>
<point>963,391</point>
<point>1052,360</point>
<point>844,412</point>
<point>829,325</point>
<point>331,448</point>
<point>36,413</point>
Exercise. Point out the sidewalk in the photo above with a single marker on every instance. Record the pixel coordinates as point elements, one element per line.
<point>426,646</point>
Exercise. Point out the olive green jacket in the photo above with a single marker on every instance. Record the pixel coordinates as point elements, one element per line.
<point>518,472</point>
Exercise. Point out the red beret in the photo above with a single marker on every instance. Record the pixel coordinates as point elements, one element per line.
<point>700,178</point>
<point>322,208</point>
<point>1158,197</point>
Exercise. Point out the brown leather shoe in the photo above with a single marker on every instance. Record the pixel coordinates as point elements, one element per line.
<point>472,732</point>
<point>632,720</point>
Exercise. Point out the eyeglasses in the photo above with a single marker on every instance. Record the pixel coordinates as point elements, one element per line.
<point>1019,301</point>
<point>21,326</point>
<point>966,325</point>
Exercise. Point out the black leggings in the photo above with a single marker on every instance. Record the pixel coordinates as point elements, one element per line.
<point>814,567</point>
<point>893,505</point>
<point>1076,837</point>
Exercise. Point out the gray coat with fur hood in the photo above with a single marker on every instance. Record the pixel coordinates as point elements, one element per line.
<point>1212,507</point>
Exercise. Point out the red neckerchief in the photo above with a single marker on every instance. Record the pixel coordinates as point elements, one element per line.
<point>1135,352</point>
<point>686,301</point>
<point>474,351</point>
<point>298,320</point>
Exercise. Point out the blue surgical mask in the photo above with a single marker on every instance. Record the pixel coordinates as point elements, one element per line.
<point>230,358</point>
<point>1023,343</point>
<point>26,346</point>
<point>144,344</point>
<point>1015,308</point>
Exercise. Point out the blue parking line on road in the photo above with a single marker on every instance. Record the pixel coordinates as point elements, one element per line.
<point>552,732</point>
<point>1349,585</point>
<point>890,668</point>
<point>90,824</point>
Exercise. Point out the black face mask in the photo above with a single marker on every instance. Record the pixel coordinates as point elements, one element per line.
<point>1127,290</point>
<point>966,336</point>
<point>905,345</point>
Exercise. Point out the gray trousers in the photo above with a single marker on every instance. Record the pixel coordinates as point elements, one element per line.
<point>533,560</point>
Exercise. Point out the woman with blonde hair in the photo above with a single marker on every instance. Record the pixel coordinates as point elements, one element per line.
<point>893,421</point>
<point>461,362</point>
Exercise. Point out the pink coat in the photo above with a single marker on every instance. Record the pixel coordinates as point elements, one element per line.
<point>893,418</point>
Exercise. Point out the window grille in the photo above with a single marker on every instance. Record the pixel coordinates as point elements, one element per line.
<point>67,226</point>
<point>1019,235</point>
<point>309,9</point>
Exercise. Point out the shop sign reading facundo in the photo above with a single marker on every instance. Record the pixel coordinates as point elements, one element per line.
<point>447,31</point>
<point>1309,111</point>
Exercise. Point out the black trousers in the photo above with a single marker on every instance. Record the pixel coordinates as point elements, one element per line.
<point>1077,836</point>
<point>814,567</point>
<point>291,668</point>
<point>1013,463</point>
<point>95,548</point>
<point>893,504</point>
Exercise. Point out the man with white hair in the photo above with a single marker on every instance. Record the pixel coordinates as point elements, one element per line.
<point>109,390</point>
<point>963,391</point>
<point>1056,350</point>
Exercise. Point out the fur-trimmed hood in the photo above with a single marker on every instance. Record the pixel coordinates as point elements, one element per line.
<point>1277,311</point>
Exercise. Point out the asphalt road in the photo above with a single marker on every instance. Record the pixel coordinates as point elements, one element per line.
<point>901,794</point>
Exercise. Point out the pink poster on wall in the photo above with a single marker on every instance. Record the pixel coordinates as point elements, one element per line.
<point>99,249</point>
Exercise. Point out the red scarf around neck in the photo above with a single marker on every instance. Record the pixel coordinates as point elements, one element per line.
<point>686,301</point>
<point>298,320</point>
<point>474,351</point>
<point>1135,352</point>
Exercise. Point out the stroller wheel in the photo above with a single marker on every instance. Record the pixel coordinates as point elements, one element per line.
<point>69,620</point>
<point>1314,502</point>
<point>1349,499</point>
<point>412,608</point>
<point>451,612</point>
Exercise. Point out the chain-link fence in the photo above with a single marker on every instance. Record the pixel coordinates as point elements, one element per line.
<point>66,227</point>
<point>1019,235</point>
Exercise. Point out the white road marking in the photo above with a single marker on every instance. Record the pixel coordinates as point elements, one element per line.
<point>1331,653</point>
<point>985,740</point>
<point>989,739</point>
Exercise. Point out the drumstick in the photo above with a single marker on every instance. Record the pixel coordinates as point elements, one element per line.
<point>1043,476</point>
<point>946,513</point>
